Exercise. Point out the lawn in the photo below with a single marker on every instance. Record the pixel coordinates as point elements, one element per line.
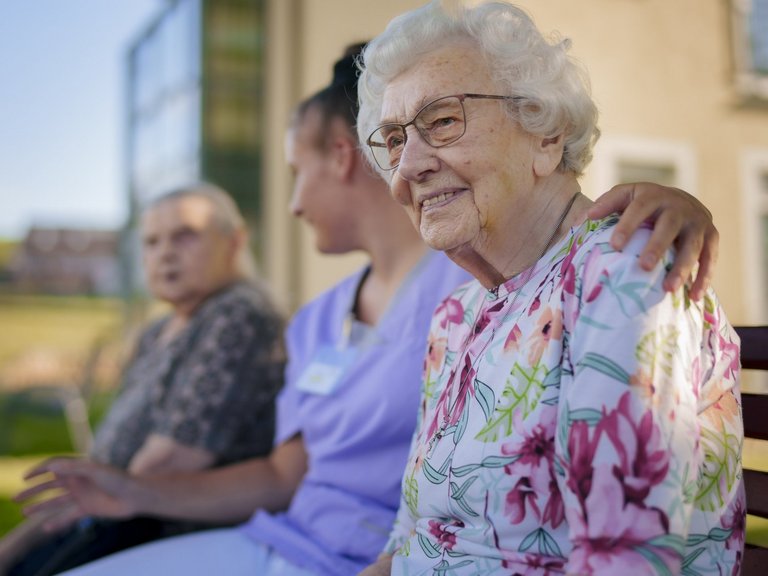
<point>32,422</point>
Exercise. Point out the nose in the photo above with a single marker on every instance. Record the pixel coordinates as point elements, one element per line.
<point>295,204</point>
<point>166,250</point>
<point>418,158</point>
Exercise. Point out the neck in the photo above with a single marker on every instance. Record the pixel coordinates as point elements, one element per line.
<point>395,248</point>
<point>527,235</point>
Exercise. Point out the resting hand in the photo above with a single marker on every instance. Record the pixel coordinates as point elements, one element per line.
<point>382,567</point>
<point>678,217</point>
<point>75,488</point>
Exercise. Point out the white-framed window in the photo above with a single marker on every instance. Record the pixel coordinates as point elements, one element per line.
<point>633,159</point>
<point>755,234</point>
<point>749,33</point>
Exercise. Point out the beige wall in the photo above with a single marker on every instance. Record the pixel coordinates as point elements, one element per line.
<point>661,75</point>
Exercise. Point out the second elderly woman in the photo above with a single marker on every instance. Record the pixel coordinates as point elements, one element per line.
<point>575,418</point>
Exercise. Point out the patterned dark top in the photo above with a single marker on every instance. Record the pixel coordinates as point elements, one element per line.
<point>212,387</point>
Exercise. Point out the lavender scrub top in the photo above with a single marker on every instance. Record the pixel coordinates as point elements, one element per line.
<point>357,436</point>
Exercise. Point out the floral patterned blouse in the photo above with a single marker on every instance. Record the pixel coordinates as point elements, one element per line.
<point>580,421</point>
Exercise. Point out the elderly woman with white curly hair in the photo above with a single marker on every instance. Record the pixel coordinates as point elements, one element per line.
<point>575,418</point>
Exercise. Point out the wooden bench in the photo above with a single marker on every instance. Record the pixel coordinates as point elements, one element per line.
<point>754,356</point>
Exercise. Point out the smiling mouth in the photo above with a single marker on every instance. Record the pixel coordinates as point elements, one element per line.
<point>437,199</point>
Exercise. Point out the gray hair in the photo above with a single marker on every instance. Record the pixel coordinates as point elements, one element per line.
<point>554,88</point>
<point>226,217</point>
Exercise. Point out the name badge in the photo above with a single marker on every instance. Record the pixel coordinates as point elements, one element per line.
<point>323,375</point>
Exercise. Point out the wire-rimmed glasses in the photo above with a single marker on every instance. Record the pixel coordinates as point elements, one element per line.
<point>441,122</point>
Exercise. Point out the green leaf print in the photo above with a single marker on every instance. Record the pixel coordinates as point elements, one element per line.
<point>523,391</point>
<point>721,461</point>
<point>430,549</point>
<point>459,491</point>
<point>604,365</point>
<point>691,558</point>
<point>461,425</point>
<point>489,462</point>
<point>485,397</point>
<point>660,568</point>
<point>434,476</point>
<point>658,349</point>
<point>588,415</point>
<point>543,543</point>
<point>444,568</point>
<point>411,493</point>
<point>716,534</point>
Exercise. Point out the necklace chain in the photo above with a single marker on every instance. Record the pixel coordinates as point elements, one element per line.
<point>495,291</point>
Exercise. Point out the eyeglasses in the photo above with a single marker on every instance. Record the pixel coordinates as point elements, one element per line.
<point>441,122</point>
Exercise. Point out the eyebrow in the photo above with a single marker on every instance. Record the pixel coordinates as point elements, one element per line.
<point>419,105</point>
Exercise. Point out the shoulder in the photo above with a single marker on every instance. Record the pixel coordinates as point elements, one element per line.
<point>242,299</point>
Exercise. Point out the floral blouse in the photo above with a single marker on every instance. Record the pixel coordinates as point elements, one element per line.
<point>580,421</point>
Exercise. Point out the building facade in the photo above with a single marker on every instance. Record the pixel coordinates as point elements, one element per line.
<point>682,89</point>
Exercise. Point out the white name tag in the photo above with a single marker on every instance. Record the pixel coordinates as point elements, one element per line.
<point>323,375</point>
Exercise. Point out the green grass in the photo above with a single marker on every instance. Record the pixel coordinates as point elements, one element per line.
<point>756,457</point>
<point>11,481</point>
<point>68,324</point>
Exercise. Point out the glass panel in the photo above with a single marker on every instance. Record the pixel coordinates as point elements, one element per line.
<point>758,31</point>
<point>764,256</point>
<point>635,171</point>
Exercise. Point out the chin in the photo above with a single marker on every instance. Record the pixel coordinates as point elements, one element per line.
<point>440,238</point>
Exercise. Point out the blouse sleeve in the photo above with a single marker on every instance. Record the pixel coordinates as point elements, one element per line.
<point>223,390</point>
<point>629,433</point>
<point>405,521</point>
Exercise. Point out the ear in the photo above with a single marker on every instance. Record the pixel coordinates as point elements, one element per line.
<point>238,242</point>
<point>547,154</point>
<point>342,148</point>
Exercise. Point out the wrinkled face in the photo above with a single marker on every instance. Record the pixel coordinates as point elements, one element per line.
<point>463,193</point>
<point>186,255</point>
<point>317,196</point>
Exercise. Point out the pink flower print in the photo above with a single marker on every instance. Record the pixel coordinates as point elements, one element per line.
<point>723,407</point>
<point>642,383</point>
<point>616,532</point>
<point>581,447</point>
<point>435,354</point>
<point>535,468</point>
<point>512,342</point>
<point>568,271</point>
<point>452,312</point>
<point>487,315</point>
<point>532,564</point>
<point>517,498</point>
<point>643,458</point>
<point>595,276</point>
<point>441,532</point>
<point>549,327</point>
<point>736,520</point>
<point>450,407</point>
<point>730,352</point>
<point>614,521</point>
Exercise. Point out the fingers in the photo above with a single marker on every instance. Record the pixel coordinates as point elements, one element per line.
<point>707,263</point>
<point>56,465</point>
<point>59,513</point>
<point>637,204</point>
<point>40,488</point>
<point>668,227</point>
<point>685,260</point>
<point>615,200</point>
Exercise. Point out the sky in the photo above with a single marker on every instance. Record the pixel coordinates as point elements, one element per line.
<point>62,83</point>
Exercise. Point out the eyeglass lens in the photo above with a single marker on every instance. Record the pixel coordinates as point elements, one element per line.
<point>440,123</point>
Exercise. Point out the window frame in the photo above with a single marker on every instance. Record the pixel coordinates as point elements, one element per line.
<point>755,207</point>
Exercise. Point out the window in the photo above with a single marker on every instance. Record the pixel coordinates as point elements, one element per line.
<point>755,178</point>
<point>618,160</point>
<point>749,21</point>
